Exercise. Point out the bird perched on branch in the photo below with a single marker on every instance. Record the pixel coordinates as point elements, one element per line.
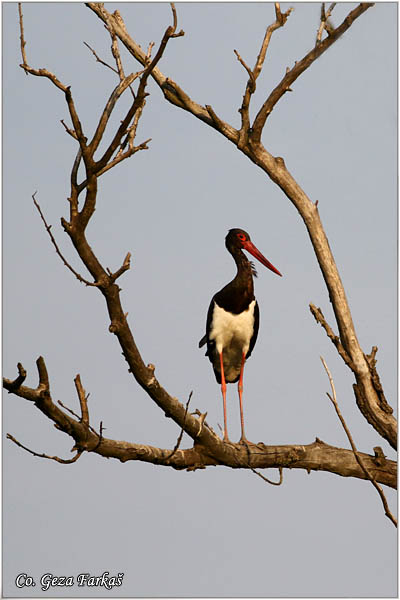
<point>233,320</point>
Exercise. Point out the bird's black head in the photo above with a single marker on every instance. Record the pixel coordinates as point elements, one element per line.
<point>238,239</point>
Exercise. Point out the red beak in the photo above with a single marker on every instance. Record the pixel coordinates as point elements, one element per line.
<point>250,247</point>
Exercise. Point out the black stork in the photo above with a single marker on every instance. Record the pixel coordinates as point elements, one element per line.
<point>233,320</point>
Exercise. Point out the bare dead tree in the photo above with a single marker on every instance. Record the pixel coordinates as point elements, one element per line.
<point>208,448</point>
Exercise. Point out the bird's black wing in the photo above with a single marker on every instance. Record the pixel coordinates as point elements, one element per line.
<point>255,330</point>
<point>204,339</point>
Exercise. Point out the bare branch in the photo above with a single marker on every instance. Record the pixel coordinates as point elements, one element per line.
<point>149,49</point>
<point>116,94</point>
<point>300,67</point>
<point>71,132</point>
<point>82,400</point>
<point>353,446</point>
<point>14,385</point>
<point>99,60</point>
<point>280,20</point>
<point>208,448</point>
<point>178,442</point>
<point>319,317</point>
<point>69,410</point>
<point>25,66</point>
<point>125,266</point>
<point>268,480</point>
<point>74,172</point>
<point>21,37</point>
<point>117,56</point>
<point>44,384</point>
<point>77,133</point>
<point>66,263</point>
<point>56,458</point>
<point>138,101</point>
<point>172,92</point>
<point>100,437</point>
<point>131,132</point>
<point>175,23</point>
<point>324,21</point>
<point>249,71</point>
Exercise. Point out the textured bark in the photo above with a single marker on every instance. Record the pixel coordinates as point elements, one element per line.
<point>317,456</point>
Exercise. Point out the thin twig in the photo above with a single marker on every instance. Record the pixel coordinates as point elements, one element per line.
<point>149,49</point>
<point>82,400</point>
<point>25,66</point>
<point>66,263</point>
<point>42,455</point>
<point>19,380</point>
<point>120,157</point>
<point>44,383</point>
<point>125,267</point>
<point>319,317</point>
<point>98,59</point>
<point>75,168</point>
<point>249,71</point>
<point>280,20</point>
<point>21,37</point>
<point>100,436</point>
<point>178,442</point>
<point>356,454</point>
<point>69,410</point>
<point>78,418</point>
<point>175,24</point>
<point>324,21</point>
<point>117,56</point>
<point>268,480</point>
<point>71,132</point>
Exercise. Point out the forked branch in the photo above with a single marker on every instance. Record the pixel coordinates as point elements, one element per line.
<point>294,73</point>
<point>280,20</point>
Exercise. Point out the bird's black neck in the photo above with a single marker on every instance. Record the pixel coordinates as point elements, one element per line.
<point>236,296</point>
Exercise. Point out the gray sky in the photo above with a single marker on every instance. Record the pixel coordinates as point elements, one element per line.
<point>215,532</point>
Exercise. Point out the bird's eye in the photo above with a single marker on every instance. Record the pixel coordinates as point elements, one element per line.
<point>241,237</point>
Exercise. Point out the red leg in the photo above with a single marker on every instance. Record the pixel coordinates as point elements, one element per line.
<point>240,390</point>
<point>223,390</point>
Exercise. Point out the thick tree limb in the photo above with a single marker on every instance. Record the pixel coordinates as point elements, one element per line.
<point>317,456</point>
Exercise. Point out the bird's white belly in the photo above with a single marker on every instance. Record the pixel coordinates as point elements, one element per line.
<point>229,329</point>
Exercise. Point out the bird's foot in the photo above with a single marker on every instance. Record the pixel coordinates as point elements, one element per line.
<point>226,440</point>
<point>243,440</point>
